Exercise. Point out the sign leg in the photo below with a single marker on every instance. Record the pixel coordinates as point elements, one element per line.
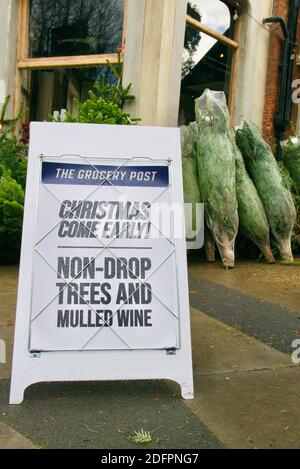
<point>187,390</point>
<point>17,392</point>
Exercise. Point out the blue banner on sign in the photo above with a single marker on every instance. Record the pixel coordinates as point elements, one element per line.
<point>78,174</point>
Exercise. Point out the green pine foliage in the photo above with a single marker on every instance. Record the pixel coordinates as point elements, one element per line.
<point>12,156</point>
<point>291,158</point>
<point>97,110</point>
<point>11,216</point>
<point>216,171</point>
<point>253,223</point>
<point>291,184</point>
<point>271,187</point>
<point>13,166</point>
<point>189,164</point>
<point>191,187</point>
<point>12,153</point>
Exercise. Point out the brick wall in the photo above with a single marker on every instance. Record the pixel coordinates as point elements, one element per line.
<point>273,74</point>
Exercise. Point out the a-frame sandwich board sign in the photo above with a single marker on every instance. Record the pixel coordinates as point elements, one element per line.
<point>103,288</point>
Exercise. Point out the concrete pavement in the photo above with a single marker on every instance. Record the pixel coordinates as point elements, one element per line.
<point>246,391</point>
<point>269,322</point>
<point>10,439</point>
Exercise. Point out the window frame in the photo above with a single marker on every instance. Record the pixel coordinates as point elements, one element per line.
<point>24,62</point>
<point>234,44</point>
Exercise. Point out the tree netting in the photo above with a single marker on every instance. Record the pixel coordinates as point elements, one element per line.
<point>253,220</point>
<point>190,171</point>
<point>291,158</point>
<point>190,176</point>
<point>274,194</point>
<point>216,169</point>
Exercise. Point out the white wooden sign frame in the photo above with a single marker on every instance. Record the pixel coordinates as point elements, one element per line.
<point>108,142</point>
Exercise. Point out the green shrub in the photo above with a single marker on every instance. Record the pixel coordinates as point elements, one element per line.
<point>11,217</point>
<point>12,156</point>
<point>12,152</point>
<point>13,167</point>
<point>96,110</point>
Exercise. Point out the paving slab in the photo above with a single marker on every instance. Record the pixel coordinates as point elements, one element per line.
<point>10,439</point>
<point>272,324</point>
<point>218,348</point>
<point>276,283</point>
<point>105,415</point>
<point>246,392</point>
<point>8,296</point>
<point>5,368</point>
<point>252,409</point>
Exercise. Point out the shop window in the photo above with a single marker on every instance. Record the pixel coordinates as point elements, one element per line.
<point>209,54</point>
<point>75,27</point>
<point>54,91</point>
<point>63,48</point>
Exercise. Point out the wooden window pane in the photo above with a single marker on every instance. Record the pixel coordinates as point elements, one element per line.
<point>74,27</point>
<point>47,91</point>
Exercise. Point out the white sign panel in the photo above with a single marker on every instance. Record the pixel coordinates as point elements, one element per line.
<point>104,274</point>
<point>103,290</point>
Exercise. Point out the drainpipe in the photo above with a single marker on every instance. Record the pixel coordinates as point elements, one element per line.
<point>281,125</point>
<point>283,114</point>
